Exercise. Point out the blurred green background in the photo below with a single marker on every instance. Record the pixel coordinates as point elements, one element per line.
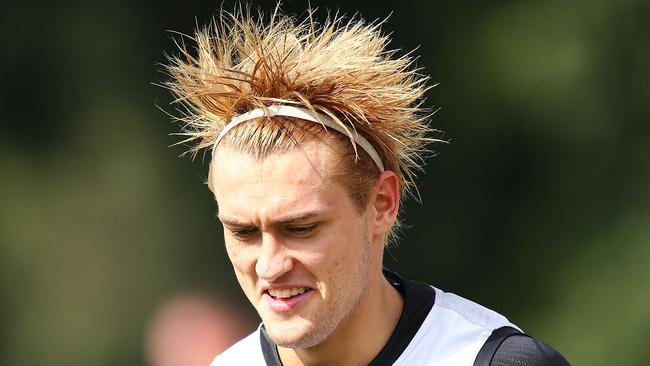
<point>539,207</point>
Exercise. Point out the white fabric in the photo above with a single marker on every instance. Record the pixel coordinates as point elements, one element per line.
<point>247,352</point>
<point>304,114</point>
<point>451,335</point>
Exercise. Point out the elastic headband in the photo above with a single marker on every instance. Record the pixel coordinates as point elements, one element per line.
<point>304,114</point>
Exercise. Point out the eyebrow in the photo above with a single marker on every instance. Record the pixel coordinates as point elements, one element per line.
<point>288,219</point>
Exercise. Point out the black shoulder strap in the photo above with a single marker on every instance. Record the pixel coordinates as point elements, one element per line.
<point>485,355</point>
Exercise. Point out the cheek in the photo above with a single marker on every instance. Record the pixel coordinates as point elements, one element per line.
<point>241,257</point>
<point>341,255</point>
<point>243,264</point>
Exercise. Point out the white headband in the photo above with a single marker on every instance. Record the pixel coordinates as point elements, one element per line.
<point>307,115</point>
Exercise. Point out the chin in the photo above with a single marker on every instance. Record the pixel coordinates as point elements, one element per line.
<point>296,336</point>
<point>295,340</point>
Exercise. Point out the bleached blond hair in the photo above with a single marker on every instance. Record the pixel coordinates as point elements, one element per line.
<point>342,68</point>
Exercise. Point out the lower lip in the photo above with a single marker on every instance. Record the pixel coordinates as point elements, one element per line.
<point>279,305</point>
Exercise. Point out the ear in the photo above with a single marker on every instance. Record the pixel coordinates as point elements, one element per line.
<point>385,202</point>
<point>209,180</point>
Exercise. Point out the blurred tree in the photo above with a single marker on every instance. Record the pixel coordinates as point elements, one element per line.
<point>539,206</point>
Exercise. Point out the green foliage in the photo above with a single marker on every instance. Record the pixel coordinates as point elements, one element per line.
<point>539,207</point>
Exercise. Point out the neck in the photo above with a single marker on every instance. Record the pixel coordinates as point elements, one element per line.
<point>361,336</point>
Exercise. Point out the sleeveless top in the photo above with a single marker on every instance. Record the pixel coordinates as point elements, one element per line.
<point>435,328</point>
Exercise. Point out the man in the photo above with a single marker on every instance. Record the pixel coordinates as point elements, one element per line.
<point>315,132</point>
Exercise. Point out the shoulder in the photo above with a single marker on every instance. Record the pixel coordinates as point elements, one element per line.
<point>452,333</point>
<point>248,352</point>
<point>472,313</point>
<point>520,350</point>
<point>515,350</point>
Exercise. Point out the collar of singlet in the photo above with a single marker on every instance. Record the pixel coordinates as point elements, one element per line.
<point>418,297</point>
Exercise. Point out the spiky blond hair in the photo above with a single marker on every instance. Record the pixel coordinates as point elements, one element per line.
<point>342,68</point>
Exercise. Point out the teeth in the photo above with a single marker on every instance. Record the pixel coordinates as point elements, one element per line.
<point>287,292</point>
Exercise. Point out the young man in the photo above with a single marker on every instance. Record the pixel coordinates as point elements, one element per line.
<point>315,131</point>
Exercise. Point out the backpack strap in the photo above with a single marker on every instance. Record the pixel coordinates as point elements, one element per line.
<point>485,355</point>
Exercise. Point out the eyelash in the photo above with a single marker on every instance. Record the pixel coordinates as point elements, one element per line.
<point>244,234</point>
<point>302,230</point>
<point>248,233</point>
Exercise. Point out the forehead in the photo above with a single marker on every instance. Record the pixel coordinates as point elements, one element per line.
<point>313,160</point>
<point>297,179</point>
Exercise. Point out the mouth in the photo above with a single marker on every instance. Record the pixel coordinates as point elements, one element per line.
<point>283,300</point>
<point>287,293</point>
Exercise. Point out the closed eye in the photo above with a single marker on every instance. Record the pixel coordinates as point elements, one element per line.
<point>302,230</point>
<point>245,233</point>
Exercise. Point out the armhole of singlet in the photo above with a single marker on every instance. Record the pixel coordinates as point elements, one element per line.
<point>485,355</point>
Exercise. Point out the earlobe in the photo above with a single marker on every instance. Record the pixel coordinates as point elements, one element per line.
<point>386,200</point>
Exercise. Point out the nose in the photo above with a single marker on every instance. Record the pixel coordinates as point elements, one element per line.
<point>273,260</point>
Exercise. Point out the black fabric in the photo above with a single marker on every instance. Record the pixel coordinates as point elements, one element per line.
<point>521,350</point>
<point>418,301</point>
<point>507,346</point>
<point>492,344</point>
<point>269,350</point>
